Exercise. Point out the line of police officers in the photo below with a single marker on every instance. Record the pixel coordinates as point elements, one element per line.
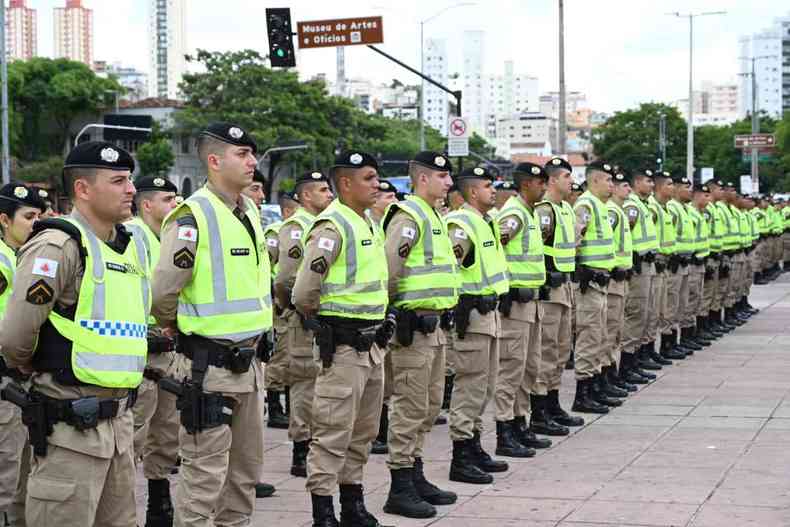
<point>144,341</point>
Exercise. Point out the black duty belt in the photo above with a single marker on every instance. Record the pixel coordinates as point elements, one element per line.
<point>86,412</point>
<point>159,344</point>
<point>555,279</point>
<point>621,275</point>
<point>361,339</point>
<point>649,257</point>
<point>153,374</point>
<point>234,358</point>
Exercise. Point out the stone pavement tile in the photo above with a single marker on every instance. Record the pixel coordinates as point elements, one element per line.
<point>456,521</point>
<point>640,513</point>
<point>783,411</point>
<point>718,515</point>
<point>753,488</point>
<point>710,434</point>
<point>686,454</point>
<point>664,475</point>
<point>714,410</point>
<point>775,423</point>
<point>292,519</point>
<point>635,408</point>
<point>769,458</point>
<point>746,423</point>
<point>646,434</point>
<point>560,469</point>
<point>618,418</point>
<point>666,397</point>
<point>568,486</point>
<point>527,509</point>
<point>672,492</point>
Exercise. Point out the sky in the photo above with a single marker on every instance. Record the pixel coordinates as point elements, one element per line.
<point>619,52</point>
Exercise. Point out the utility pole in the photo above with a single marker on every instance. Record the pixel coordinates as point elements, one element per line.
<point>690,134</point>
<point>755,169</point>
<point>6,151</point>
<point>561,131</point>
<point>662,140</point>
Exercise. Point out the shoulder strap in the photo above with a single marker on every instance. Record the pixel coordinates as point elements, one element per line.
<point>64,226</point>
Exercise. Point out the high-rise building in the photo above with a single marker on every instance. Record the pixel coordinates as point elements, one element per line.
<point>772,71</point>
<point>135,81</point>
<point>435,109</point>
<point>74,32</point>
<point>21,31</point>
<point>508,95</point>
<point>168,45</point>
<point>473,104</point>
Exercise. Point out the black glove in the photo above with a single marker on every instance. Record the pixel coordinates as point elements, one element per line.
<point>387,329</point>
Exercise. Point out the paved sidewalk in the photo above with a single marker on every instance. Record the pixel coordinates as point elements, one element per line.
<point>705,446</point>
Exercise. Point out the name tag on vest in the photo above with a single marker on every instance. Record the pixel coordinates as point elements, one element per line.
<point>240,252</point>
<point>365,243</point>
<point>116,267</point>
<point>489,243</point>
<point>437,231</point>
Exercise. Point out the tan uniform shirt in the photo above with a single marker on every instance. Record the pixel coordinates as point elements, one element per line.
<point>510,226</point>
<point>545,214</point>
<point>168,281</point>
<point>464,250</point>
<point>290,244</point>
<point>272,247</point>
<point>20,328</point>
<point>310,276</point>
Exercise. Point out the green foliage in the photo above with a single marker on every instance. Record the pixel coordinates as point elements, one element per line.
<point>45,171</point>
<point>156,158</point>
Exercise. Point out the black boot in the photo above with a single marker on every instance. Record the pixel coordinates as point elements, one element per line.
<point>598,392</point>
<point>526,436</point>
<point>483,460</point>
<point>715,325</point>
<point>352,508</point>
<point>655,356</point>
<point>668,350</point>
<point>698,334</point>
<point>583,401</point>
<point>628,371</point>
<point>159,512</point>
<point>679,346</point>
<point>687,339</point>
<point>507,443</point>
<point>644,360</point>
<point>753,309</point>
<point>299,459</point>
<point>463,466</point>
<point>379,445</point>
<point>609,389</point>
<point>731,319</point>
<point>264,490</point>
<point>759,279</point>
<point>323,511</point>
<point>277,417</point>
<point>403,499</point>
<point>704,332</point>
<point>542,421</point>
<point>614,379</point>
<point>557,414</point>
<point>728,322</point>
<point>427,490</point>
<point>448,391</point>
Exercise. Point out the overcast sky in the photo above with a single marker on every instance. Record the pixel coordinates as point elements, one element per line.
<point>620,52</point>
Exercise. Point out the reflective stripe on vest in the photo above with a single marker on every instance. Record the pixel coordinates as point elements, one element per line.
<point>623,246</point>
<point>273,228</point>
<point>684,242</point>
<point>526,263</point>
<point>716,227</point>
<point>356,283</point>
<point>644,236</point>
<point>664,226</point>
<point>8,270</point>
<point>730,239</point>
<point>562,251</point>
<point>597,246</point>
<point>488,274</point>
<point>430,276</point>
<point>701,231</point>
<point>229,296</point>
<point>108,332</point>
<point>147,245</point>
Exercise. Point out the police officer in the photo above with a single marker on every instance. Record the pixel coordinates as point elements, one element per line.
<point>557,226</point>
<point>422,286</point>
<point>617,292</point>
<point>483,277</point>
<point>517,394</point>
<point>212,287</point>
<point>718,230</point>
<point>83,339</point>
<point>155,414</point>
<point>576,191</point>
<point>595,261</point>
<point>698,271</point>
<point>20,207</point>
<point>341,291</point>
<point>504,191</point>
<point>736,313</point>
<point>314,195</point>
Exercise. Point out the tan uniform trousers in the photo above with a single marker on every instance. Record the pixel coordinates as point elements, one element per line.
<point>725,282</point>
<point>449,368</point>
<point>156,422</point>
<point>519,361</point>
<point>683,297</point>
<point>786,246</point>
<point>695,284</point>
<point>14,462</point>
<point>615,322</point>
<point>220,466</point>
<point>637,313</point>
<point>302,371</point>
<point>669,301</point>
<point>657,292</point>
<point>71,488</point>
<point>737,277</point>
<point>388,377</point>
<point>555,338</point>
<point>275,374</point>
<point>710,289</point>
<point>346,412</point>
<point>590,330</point>
<point>416,399</point>
<point>476,362</point>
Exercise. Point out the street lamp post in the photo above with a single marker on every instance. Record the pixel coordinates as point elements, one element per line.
<point>6,155</point>
<point>755,168</point>
<point>690,138</point>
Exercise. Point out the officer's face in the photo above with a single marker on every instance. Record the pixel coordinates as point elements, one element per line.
<point>643,185</point>
<point>318,195</point>
<point>622,190</point>
<point>665,190</point>
<point>255,192</point>
<point>438,184</point>
<point>683,192</point>
<point>109,195</point>
<point>17,229</point>
<point>701,199</point>
<point>362,185</point>
<point>160,205</point>
<point>561,180</point>
<point>484,193</point>
<point>534,188</point>
<point>383,200</point>
<point>235,166</point>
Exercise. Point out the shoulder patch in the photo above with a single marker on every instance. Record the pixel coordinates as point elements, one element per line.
<point>458,251</point>
<point>545,220</point>
<point>45,267</point>
<point>512,223</point>
<point>460,234</point>
<point>187,233</point>
<point>318,265</point>
<point>409,233</point>
<point>632,212</point>
<point>296,234</point>
<point>184,259</point>
<point>272,242</point>
<point>404,250</point>
<point>187,220</point>
<point>40,293</point>
<point>295,252</point>
<point>326,244</point>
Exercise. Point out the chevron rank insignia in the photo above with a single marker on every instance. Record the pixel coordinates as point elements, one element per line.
<point>403,250</point>
<point>184,259</point>
<point>40,293</point>
<point>319,265</point>
<point>458,251</point>
<point>295,252</point>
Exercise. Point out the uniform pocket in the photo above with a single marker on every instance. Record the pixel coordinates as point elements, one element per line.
<point>46,489</point>
<point>332,405</point>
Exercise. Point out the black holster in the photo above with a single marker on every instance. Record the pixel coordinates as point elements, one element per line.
<point>34,415</point>
<point>265,348</point>
<point>462,312</point>
<point>199,410</point>
<point>638,259</point>
<point>407,322</point>
<point>505,304</point>
<point>158,344</point>
<point>447,320</point>
<point>324,338</point>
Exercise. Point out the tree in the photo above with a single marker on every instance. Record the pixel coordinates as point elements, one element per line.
<point>156,157</point>
<point>48,170</point>
<point>630,138</point>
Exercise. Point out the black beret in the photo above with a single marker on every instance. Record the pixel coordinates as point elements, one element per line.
<point>99,154</point>
<point>258,177</point>
<point>434,161</point>
<point>355,159</point>
<point>621,176</point>
<point>556,163</point>
<point>681,180</point>
<point>476,173</point>
<point>648,172</point>
<point>231,134</point>
<point>148,183</point>
<point>505,185</point>
<point>532,170</point>
<point>729,186</point>
<point>23,195</point>
<point>43,194</point>
<point>662,174</point>
<point>575,187</point>
<point>717,182</point>
<point>313,176</point>
<point>386,186</point>
<point>285,196</point>
<point>701,187</point>
<point>601,166</point>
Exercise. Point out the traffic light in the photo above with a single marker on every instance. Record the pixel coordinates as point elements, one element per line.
<point>281,46</point>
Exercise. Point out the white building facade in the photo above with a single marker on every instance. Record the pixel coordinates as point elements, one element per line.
<point>74,32</point>
<point>167,38</point>
<point>21,31</point>
<point>435,103</point>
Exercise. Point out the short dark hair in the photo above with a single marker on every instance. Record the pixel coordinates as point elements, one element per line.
<point>71,175</point>
<point>207,145</point>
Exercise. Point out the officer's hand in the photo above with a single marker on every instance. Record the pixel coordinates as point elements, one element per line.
<point>170,331</point>
<point>387,329</point>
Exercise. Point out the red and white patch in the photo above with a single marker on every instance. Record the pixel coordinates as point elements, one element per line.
<point>45,267</point>
<point>326,244</point>
<point>187,233</point>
